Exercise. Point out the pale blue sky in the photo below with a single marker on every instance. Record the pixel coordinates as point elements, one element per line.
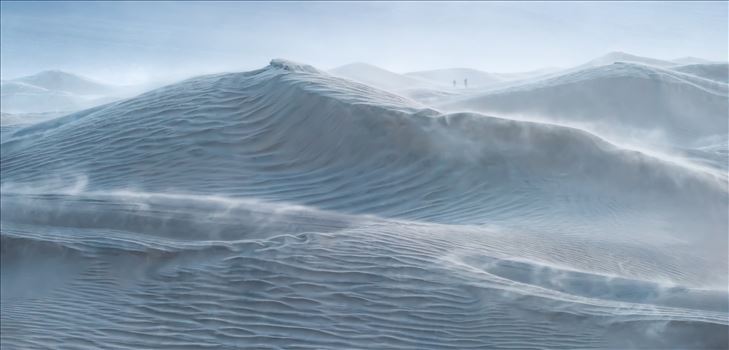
<point>128,42</point>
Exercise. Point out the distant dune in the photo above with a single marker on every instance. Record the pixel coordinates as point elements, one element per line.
<point>57,92</point>
<point>378,77</point>
<point>445,77</point>
<point>714,71</point>
<point>630,96</point>
<point>56,80</point>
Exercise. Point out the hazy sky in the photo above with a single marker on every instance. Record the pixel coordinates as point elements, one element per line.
<point>130,42</point>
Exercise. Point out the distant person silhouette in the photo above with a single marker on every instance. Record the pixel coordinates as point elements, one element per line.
<point>454,83</point>
<point>465,83</point>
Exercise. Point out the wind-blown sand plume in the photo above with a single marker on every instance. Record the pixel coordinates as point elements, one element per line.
<point>286,207</point>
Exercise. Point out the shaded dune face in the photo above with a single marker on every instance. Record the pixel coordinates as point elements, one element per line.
<point>284,207</point>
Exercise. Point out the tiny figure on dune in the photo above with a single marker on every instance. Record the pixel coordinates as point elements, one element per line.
<point>454,83</point>
<point>465,83</point>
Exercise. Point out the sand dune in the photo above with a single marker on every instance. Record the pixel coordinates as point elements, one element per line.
<point>62,81</point>
<point>380,78</point>
<point>632,98</point>
<point>58,92</point>
<point>287,207</point>
<point>688,60</point>
<point>618,56</point>
<point>445,77</point>
<point>714,71</point>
